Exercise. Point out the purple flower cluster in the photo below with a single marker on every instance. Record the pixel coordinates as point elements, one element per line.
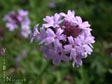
<point>20,18</point>
<point>65,37</point>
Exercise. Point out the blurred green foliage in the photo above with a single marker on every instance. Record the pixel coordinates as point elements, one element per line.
<point>96,69</point>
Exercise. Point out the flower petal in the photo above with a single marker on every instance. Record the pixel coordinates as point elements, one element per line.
<point>71,40</point>
<point>50,33</point>
<point>73,54</point>
<point>68,47</point>
<point>59,32</point>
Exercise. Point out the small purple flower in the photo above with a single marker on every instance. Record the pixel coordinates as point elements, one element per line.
<point>11,26</point>
<point>25,31</point>
<point>52,20</point>
<point>52,37</point>
<point>20,18</point>
<point>65,37</point>
<point>59,54</point>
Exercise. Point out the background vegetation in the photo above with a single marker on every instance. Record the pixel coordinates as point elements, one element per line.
<point>24,60</point>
